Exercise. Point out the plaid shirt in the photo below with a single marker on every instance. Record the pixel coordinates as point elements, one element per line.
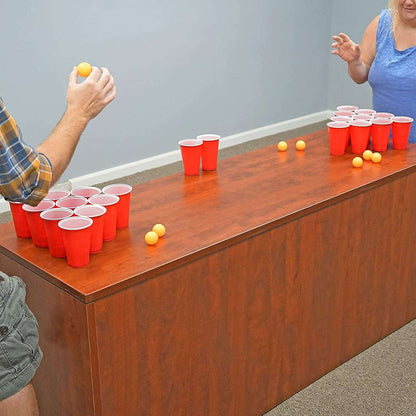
<point>25,175</point>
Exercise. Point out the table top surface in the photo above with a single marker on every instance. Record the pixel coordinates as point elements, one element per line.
<point>246,195</point>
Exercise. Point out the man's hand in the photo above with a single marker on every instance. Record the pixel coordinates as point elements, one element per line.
<point>88,99</point>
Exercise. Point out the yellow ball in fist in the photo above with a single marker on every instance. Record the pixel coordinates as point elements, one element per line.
<point>84,69</point>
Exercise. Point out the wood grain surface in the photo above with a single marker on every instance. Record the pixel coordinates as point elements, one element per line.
<point>246,195</point>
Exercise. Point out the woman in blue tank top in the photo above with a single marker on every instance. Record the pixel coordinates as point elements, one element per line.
<point>386,59</point>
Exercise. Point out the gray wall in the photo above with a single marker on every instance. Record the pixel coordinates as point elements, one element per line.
<point>182,67</point>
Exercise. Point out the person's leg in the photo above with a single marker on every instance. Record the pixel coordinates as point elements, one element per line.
<point>23,403</point>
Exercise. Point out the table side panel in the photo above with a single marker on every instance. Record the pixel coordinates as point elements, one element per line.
<point>241,330</point>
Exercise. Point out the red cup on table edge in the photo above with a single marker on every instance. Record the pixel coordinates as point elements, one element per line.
<point>347,108</point>
<point>76,234</point>
<point>96,213</point>
<point>365,111</point>
<point>380,133</point>
<point>209,156</point>
<point>123,191</point>
<point>400,131</point>
<point>344,113</point>
<point>191,151</point>
<point>51,218</point>
<point>85,191</point>
<point>110,217</point>
<point>37,229</point>
<point>55,194</point>
<point>71,201</point>
<point>21,225</point>
<point>383,115</point>
<point>360,135</point>
<point>338,132</point>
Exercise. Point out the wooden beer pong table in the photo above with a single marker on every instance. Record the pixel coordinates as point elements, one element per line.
<point>275,269</point>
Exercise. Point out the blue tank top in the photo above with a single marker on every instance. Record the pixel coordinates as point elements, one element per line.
<point>392,75</point>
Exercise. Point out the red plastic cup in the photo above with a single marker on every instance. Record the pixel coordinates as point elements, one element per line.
<point>338,132</point>
<point>110,217</point>
<point>71,202</point>
<point>347,108</point>
<point>123,191</point>
<point>210,143</point>
<point>76,233</point>
<point>37,229</point>
<point>21,225</point>
<point>383,115</point>
<point>85,191</point>
<point>367,117</point>
<point>51,218</point>
<point>191,150</point>
<point>401,129</point>
<point>96,213</point>
<point>56,194</point>
<point>380,133</point>
<point>341,118</point>
<point>360,135</point>
<point>344,113</point>
<point>368,111</point>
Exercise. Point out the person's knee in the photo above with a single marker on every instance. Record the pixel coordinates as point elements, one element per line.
<point>22,403</point>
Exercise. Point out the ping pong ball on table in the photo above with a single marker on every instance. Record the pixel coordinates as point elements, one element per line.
<point>376,157</point>
<point>367,154</point>
<point>84,69</point>
<point>300,145</point>
<point>357,162</point>
<point>282,146</point>
<point>151,238</point>
<point>159,229</point>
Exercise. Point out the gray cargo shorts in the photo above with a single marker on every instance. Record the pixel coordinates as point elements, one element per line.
<point>20,354</point>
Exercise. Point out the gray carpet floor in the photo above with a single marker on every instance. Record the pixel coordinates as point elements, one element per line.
<point>381,381</point>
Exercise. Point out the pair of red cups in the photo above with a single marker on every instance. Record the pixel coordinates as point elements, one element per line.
<point>204,147</point>
<point>70,227</point>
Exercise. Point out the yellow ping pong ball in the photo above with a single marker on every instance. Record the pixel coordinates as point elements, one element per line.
<point>84,69</point>
<point>282,146</point>
<point>300,145</point>
<point>151,238</point>
<point>357,162</point>
<point>376,157</point>
<point>367,154</point>
<point>159,229</point>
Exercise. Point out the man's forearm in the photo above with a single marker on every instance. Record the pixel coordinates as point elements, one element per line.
<point>60,145</point>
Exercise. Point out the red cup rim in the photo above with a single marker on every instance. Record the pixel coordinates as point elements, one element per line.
<point>402,119</point>
<point>128,189</point>
<point>62,223</point>
<point>341,118</point>
<point>44,214</point>
<point>84,187</point>
<point>383,115</point>
<point>78,210</point>
<point>363,117</point>
<point>338,124</point>
<point>382,121</point>
<point>343,113</point>
<point>76,197</point>
<point>53,191</point>
<point>208,137</point>
<point>347,108</point>
<point>15,202</point>
<point>190,142</point>
<point>39,207</point>
<point>93,199</point>
<point>360,123</point>
<point>365,111</point>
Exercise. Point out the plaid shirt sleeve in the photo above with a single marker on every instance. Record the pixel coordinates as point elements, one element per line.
<point>25,175</point>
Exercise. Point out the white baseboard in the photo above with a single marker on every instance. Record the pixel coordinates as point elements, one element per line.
<point>175,156</point>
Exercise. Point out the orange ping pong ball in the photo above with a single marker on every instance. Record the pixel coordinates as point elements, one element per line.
<point>376,157</point>
<point>282,146</point>
<point>367,154</point>
<point>159,229</point>
<point>300,145</point>
<point>84,69</point>
<point>357,162</point>
<point>151,238</point>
